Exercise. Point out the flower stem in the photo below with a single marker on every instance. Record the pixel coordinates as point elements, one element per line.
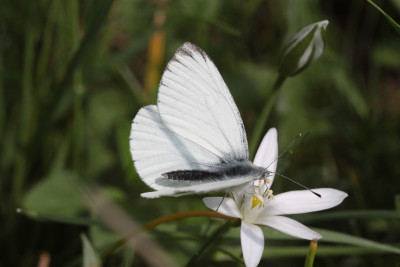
<point>311,253</point>
<point>262,119</point>
<point>168,218</point>
<point>211,240</point>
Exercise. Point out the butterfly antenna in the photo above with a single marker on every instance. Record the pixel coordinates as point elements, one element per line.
<point>286,149</point>
<point>299,184</point>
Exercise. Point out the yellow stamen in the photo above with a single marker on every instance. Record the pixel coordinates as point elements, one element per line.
<point>256,202</point>
<point>270,194</point>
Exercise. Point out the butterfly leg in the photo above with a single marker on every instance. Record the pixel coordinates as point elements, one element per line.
<point>222,201</point>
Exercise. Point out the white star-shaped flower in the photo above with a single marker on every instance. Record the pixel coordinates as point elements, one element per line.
<point>255,205</point>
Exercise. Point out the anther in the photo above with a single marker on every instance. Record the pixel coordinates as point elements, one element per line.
<point>270,194</point>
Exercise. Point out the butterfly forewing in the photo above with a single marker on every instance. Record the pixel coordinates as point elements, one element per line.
<point>195,126</point>
<point>195,103</point>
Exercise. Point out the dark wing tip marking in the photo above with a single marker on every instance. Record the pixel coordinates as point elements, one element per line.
<point>185,49</point>
<point>188,49</point>
<point>199,50</point>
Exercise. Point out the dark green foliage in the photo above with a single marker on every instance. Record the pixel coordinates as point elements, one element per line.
<point>72,79</point>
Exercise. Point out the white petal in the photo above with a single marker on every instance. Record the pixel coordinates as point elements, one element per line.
<point>267,153</point>
<point>303,201</point>
<point>227,206</point>
<point>289,226</point>
<point>252,239</point>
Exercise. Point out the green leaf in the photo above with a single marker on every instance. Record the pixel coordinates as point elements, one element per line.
<point>57,194</point>
<point>60,219</point>
<point>301,251</point>
<point>392,22</point>
<point>333,236</point>
<point>327,236</point>
<point>351,214</point>
<point>90,256</point>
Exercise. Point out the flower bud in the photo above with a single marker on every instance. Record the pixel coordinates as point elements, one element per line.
<point>303,48</point>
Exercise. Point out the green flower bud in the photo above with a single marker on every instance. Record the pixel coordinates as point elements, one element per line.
<point>303,48</point>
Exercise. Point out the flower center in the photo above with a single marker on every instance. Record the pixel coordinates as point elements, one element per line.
<point>260,192</point>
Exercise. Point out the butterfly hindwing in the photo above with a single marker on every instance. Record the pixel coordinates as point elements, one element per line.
<point>157,150</point>
<point>198,188</point>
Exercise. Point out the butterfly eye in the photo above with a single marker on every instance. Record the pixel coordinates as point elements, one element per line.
<point>265,175</point>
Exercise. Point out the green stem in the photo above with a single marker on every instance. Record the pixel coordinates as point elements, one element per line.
<point>262,119</point>
<point>233,256</point>
<point>152,224</point>
<point>311,253</point>
<point>392,22</point>
<point>211,240</point>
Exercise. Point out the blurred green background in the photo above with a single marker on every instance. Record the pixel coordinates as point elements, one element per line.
<point>73,74</point>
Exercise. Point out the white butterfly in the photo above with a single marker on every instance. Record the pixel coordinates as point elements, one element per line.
<point>193,140</point>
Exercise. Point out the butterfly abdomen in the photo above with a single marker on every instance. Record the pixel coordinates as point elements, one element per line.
<point>191,175</point>
<point>227,172</point>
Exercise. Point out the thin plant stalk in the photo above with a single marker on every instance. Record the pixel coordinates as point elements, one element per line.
<point>211,240</point>
<point>262,119</point>
<point>311,253</point>
<point>168,218</point>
